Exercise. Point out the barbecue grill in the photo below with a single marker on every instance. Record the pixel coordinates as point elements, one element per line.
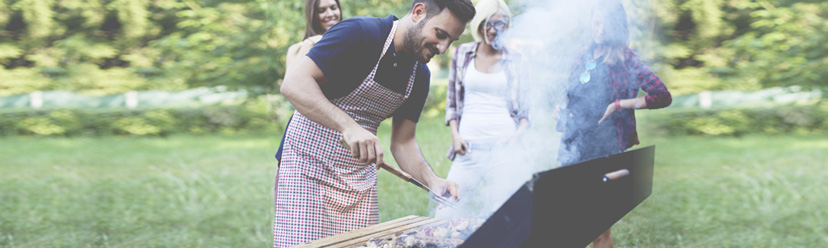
<point>563,207</point>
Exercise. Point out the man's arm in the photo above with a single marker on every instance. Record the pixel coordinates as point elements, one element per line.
<point>301,88</point>
<point>407,153</point>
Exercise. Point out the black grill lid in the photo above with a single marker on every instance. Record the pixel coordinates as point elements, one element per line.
<point>569,206</point>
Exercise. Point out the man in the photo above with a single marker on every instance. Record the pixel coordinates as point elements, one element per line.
<point>363,71</point>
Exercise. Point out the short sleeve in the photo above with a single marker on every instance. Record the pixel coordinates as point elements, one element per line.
<point>337,45</point>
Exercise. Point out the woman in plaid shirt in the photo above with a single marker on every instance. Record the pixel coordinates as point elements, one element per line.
<point>602,93</point>
<point>484,113</point>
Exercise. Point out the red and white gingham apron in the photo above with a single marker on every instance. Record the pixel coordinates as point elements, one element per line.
<point>320,189</point>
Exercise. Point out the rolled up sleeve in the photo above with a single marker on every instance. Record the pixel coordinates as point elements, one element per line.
<point>451,93</point>
<point>657,94</point>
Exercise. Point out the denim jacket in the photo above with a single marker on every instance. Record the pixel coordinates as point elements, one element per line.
<point>627,78</point>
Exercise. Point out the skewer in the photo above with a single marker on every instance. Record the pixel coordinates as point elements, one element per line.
<point>404,176</point>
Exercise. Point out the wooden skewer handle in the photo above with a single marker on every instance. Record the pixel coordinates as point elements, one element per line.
<point>408,178</point>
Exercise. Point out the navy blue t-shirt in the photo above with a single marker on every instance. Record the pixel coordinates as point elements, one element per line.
<point>348,52</point>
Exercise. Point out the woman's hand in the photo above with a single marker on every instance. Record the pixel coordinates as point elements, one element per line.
<point>459,144</point>
<point>610,109</point>
<point>632,103</point>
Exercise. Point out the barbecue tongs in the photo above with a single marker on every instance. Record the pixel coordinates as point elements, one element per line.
<point>410,179</point>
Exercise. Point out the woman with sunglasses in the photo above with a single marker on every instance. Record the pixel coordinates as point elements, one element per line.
<point>483,109</point>
<point>602,93</point>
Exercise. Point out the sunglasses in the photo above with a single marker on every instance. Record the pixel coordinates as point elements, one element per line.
<point>589,66</point>
<point>498,25</point>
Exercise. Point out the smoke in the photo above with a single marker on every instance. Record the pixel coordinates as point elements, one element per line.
<point>549,34</point>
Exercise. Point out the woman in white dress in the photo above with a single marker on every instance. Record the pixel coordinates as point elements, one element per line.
<point>485,113</point>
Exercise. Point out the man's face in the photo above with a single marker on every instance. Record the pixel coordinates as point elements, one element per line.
<point>427,38</point>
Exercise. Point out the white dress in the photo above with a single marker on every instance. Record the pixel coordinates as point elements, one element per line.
<point>486,126</point>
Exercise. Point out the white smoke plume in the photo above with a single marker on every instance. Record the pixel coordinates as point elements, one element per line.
<point>549,34</point>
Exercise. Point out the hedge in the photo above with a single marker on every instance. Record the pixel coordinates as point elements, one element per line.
<point>788,119</point>
<point>140,122</point>
<point>269,113</point>
<point>266,113</point>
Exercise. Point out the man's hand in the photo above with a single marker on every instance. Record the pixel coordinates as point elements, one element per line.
<point>365,146</point>
<point>445,188</point>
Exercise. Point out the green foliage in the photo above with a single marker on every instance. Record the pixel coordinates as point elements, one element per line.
<point>220,43</point>
<point>103,47</point>
<point>112,46</point>
<point>21,81</point>
<point>785,46</point>
<point>435,105</point>
<point>741,45</point>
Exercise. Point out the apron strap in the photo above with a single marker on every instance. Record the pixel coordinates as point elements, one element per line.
<point>388,42</point>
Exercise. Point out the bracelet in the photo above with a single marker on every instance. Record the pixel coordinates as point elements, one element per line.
<point>618,104</point>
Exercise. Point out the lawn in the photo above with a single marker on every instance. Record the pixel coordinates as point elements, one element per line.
<point>217,191</point>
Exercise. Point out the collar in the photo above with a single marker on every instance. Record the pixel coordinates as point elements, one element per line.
<point>392,50</point>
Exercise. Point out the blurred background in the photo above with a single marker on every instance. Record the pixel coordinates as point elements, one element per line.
<point>153,123</point>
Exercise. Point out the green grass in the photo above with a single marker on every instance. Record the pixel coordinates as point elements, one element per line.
<point>756,191</point>
<point>136,192</point>
<point>217,191</point>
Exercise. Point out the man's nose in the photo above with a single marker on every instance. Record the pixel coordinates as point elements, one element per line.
<point>443,46</point>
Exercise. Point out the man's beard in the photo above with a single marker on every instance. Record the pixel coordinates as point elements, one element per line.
<point>412,42</point>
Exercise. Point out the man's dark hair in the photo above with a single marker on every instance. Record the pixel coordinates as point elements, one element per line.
<point>462,9</point>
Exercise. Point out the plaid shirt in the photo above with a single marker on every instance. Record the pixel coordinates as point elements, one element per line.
<point>456,87</point>
<point>627,78</point>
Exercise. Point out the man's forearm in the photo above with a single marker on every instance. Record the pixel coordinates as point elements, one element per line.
<point>411,160</point>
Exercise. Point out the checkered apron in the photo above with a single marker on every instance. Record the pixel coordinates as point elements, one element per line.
<point>320,189</point>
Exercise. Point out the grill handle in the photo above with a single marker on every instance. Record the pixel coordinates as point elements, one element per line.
<point>615,175</point>
<point>402,175</point>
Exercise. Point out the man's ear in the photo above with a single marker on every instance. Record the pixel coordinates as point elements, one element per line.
<point>418,12</point>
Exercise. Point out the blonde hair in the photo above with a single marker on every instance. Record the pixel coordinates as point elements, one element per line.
<point>485,9</point>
